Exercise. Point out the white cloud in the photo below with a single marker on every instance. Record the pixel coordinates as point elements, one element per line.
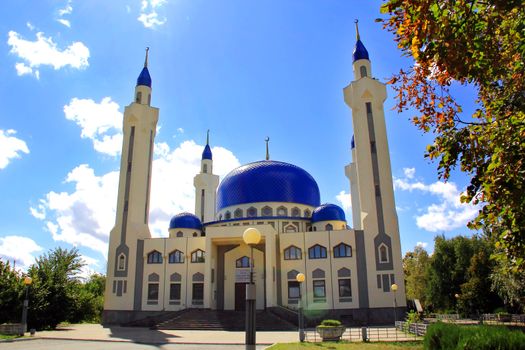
<point>345,199</point>
<point>85,216</point>
<point>91,266</point>
<point>30,26</point>
<point>446,215</point>
<point>65,22</point>
<point>10,147</point>
<point>20,249</point>
<point>100,122</point>
<point>44,51</point>
<point>409,172</point>
<point>422,244</point>
<point>148,13</point>
<point>66,10</point>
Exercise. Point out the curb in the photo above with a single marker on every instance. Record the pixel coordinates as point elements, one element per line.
<point>135,342</point>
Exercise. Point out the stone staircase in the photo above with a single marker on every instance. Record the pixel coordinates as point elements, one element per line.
<point>205,319</point>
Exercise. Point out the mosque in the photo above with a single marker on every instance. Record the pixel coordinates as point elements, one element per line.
<point>204,262</point>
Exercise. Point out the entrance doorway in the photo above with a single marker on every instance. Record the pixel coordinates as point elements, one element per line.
<point>240,296</point>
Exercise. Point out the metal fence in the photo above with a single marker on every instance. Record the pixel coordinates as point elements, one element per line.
<point>373,334</point>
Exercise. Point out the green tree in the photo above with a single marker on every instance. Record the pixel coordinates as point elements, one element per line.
<point>479,44</point>
<point>88,300</point>
<point>52,294</point>
<point>415,265</point>
<point>11,291</point>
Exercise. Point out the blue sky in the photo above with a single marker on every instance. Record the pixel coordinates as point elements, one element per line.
<point>243,69</point>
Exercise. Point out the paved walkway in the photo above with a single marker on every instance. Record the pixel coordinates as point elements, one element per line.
<point>148,336</point>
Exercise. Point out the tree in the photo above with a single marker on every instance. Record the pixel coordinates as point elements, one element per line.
<point>415,265</point>
<point>11,291</point>
<point>479,44</point>
<point>52,293</point>
<point>88,300</point>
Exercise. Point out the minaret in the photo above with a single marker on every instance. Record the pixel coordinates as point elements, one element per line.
<point>206,184</point>
<point>370,175</point>
<point>131,224</point>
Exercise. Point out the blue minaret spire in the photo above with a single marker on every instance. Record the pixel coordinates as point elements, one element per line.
<point>206,154</point>
<point>144,77</point>
<point>360,52</point>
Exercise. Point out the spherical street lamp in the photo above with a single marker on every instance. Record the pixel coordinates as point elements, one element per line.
<point>393,288</point>
<point>27,282</point>
<point>300,278</point>
<point>251,237</point>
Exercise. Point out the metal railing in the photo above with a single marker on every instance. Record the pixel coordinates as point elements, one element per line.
<point>373,334</point>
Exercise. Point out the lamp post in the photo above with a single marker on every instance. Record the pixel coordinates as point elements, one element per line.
<point>251,237</point>
<point>300,278</point>
<point>27,283</point>
<point>457,305</point>
<point>393,288</point>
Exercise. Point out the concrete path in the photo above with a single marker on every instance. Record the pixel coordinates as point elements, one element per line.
<point>96,332</point>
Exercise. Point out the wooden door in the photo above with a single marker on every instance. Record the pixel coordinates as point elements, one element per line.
<point>240,296</point>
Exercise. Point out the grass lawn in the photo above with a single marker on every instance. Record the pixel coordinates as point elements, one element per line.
<point>5,336</point>
<point>349,346</point>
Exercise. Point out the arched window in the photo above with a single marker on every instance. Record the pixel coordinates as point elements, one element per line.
<point>252,212</point>
<point>121,266</point>
<point>362,70</point>
<point>328,227</point>
<point>176,257</point>
<point>180,234</point>
<point>342,251</point>
<point>282,211</point>
<point>307,213</point>
<point>290,228</point>
<point>155,257</point>
<point>296,212</point>
<point>237,213</point>
<point>242,262</point>
<point>267,211</point>
<point>153,288</point>
<point>383,253</point>
<point>317,252</point>
<point>197,256</point>
<point>138,98</point>
<point>227,215</point>
<point>205,168</point>
<point>293,253</point>
<point>195,234</point>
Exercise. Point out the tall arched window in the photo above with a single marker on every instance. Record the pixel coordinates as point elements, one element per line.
<point>362,70</point>
<point>342,250</point>
<point>242,262</point>
<point>155,257</point>
<point>293,253</point>
<point>317,252</point>
<point>197,256</point>
<point>383,253</point>
<point>138,98</point>
<point>176,257</point>
<point>227,215</point>
<point>121,266</point>
<point>307,213</point>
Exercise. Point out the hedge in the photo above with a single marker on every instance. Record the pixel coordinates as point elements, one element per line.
<point>446,336</point>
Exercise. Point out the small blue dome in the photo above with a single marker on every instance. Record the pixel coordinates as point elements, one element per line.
<point>328,212</point>
<point>144,78</point>
<point>268,181</point>
<point>360,52</point>
<point>206,154</point>
<point>185,220</point>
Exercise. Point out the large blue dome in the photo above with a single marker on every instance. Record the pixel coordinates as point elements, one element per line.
<point>267,181</point>
<point>328,212</point>
<point>185,220</point>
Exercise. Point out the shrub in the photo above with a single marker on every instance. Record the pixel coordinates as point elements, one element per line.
<point>442,336</point>
<point>330,323</point>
